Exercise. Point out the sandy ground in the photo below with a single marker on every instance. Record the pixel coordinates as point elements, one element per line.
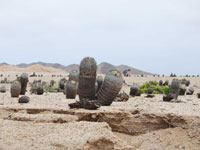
<point>47,123</point>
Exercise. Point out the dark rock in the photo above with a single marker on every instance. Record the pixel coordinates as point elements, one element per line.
<point>150,96</point>
<point>86,104</point>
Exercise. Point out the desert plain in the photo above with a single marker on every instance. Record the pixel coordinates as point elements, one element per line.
<point>47,122</point>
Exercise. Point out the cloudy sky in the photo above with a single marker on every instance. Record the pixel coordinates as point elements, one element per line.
<point>158,36</point>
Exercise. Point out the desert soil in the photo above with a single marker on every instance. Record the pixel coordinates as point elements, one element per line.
<point>47,123</point>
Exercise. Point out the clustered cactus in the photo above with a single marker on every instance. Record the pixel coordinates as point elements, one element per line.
<point>93,92</point>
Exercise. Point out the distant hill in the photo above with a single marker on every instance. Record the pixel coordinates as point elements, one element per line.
<point>103,68</point>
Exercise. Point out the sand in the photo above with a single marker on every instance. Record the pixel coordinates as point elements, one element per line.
<point>47,123</point>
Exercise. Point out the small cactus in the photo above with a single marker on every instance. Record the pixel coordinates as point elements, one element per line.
<point>15,89</point>
<point>182,89</point>
<point>133,90</point>
<point>71,89</point>
<point>24,99</point>
<point>74,75</point>
<point>2,90</point>
<point>23,80</point>
<point>190,91</point>
<point>174,91</point>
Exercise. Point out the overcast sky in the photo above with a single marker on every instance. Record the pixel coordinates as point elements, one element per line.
<point>158,36</point>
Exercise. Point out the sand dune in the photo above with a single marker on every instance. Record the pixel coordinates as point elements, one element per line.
<point>33,68</point>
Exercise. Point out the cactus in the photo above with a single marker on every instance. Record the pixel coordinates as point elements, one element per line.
<point>166,83</point>
<point>99,82</point>
<point>37,87</point>
<point>71,89</point>
<point>2,90</point>
<point>111,87</point>
<point>62,83</point>
<point>87,78</point>
<point>161,83</point>
<point>182,89</point>
<point>150,90</point>
<point>15,89</point>
<point>74,75</point>
<point>190,91</point>
<point>24,99</point>
<point>198,95</point>
<point>174,91</point>
<point>23,80</point>
<point>133,90</point>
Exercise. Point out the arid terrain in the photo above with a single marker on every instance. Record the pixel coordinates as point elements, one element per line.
<point>47,123</point>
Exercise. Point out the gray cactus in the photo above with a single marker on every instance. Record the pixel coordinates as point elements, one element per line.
<point>15,89</point>
<point>174,91</point>
<point>2,90</point>
<point>133,90</point>
<point>161,83</point>
<point>111,87</point>
<point>71,89</point>
<point>24,81</point>
<point>62,83</point>
<point>150,90</point>
<point>166,83</point>
<point>87,78</point>
<point>24,99</point>
<point>99,82</point>
<point>182,89</point>
<point>190,91</point>
<point>74,75</point>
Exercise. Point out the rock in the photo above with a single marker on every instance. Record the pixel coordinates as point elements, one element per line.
<point>24,99</point>
<point>122,97</point>
<point>150,96</point>
<point>86,104</point>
